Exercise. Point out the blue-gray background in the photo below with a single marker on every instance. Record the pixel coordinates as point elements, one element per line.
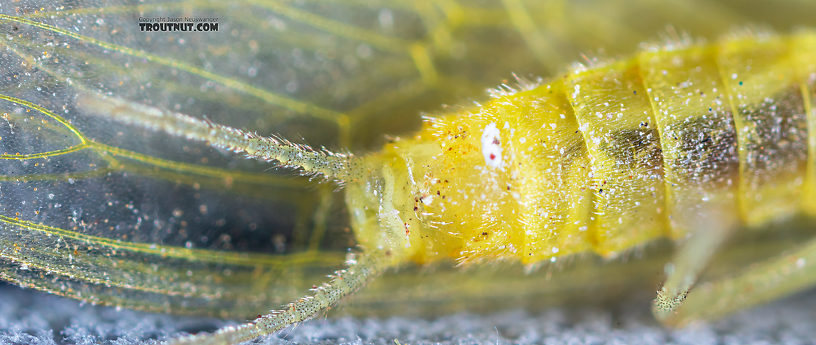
<point>28,317</point>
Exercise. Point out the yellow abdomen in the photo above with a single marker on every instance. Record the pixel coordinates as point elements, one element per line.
<point>611,157</point>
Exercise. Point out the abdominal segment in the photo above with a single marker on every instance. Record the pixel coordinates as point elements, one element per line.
<point>607,158</point>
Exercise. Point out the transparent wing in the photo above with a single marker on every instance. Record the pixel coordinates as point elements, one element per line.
<point>113,214</point>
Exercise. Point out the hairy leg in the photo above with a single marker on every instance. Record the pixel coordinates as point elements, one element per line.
<point>342,284</point>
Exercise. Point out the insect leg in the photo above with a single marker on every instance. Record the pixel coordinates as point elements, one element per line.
<point>761,282</point>
<point>689,261</point>
<point>343,283</point>
<point>338,166</point>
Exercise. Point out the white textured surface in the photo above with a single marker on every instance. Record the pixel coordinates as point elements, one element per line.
<point>28,317</point>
